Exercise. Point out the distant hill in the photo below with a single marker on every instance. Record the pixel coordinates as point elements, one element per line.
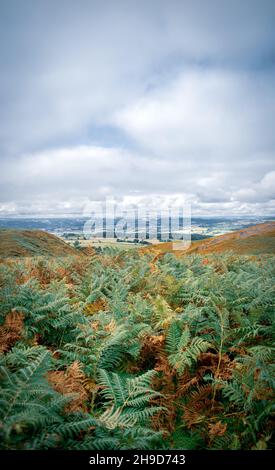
<point>17,243</point>
<point>258,239</point>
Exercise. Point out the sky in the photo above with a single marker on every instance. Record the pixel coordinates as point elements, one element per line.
<point>137,100</point>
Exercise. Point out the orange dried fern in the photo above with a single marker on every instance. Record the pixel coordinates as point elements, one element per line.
<point>208,362</point>
<point>71,381</point>
<point>200,406</point>
<point>11,330</point>
<point>96,306</point>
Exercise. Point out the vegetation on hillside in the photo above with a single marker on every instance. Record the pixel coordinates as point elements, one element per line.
<point>129,350</point>
<point>254,240</point>
<point>18,243</point>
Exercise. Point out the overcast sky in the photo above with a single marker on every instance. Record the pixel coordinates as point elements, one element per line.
<point>137,98</point>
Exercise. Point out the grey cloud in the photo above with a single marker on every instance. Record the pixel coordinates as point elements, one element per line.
<point>67,65</point>
<point>189,85</point>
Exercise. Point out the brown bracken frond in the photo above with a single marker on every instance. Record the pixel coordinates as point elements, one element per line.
<point>11,330</point>
<point>208,363</point>
<point>152,346</point>
<point>217,429</point>
<point>96,306</point>
<point>200,406</point>
<point>71,381</point>
<point>166,385</point>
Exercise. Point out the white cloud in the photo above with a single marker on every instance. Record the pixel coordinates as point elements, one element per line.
<point>262,191</point>
<point>207,114</point>
<point>65,180</point>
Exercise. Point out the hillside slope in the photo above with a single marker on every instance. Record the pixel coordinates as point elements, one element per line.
<point>252,241</point>
<point>258,239</point>
<point>16,243</point>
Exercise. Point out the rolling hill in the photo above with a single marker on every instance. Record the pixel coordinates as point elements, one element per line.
<point>258,239</point>
<point>253,240</point>
<point>26,243</point>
